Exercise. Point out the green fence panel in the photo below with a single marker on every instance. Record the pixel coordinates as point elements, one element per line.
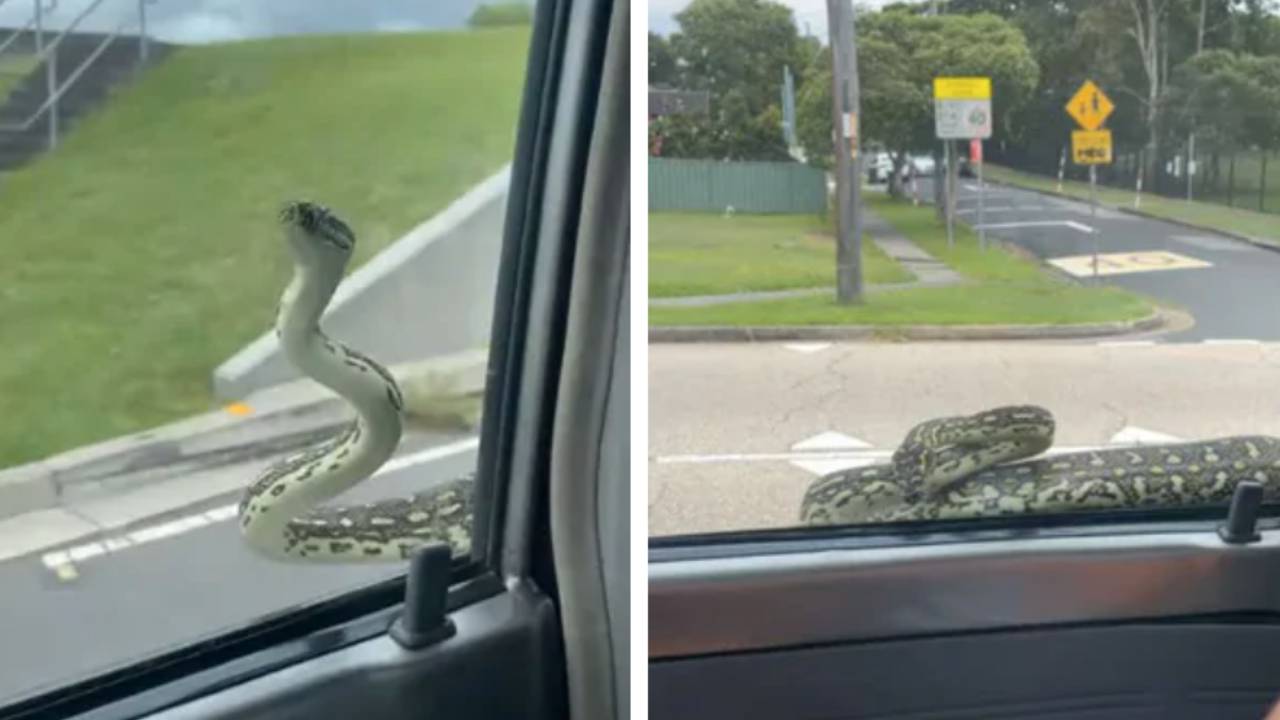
<point>749,187</point>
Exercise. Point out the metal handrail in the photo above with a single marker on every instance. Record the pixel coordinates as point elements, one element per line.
<point>47,53</point>
<point>52,100</point>
<point>17,32</point>
<point>52,47</point>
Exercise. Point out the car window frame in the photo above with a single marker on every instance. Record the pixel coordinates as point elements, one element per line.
<point>219,659</point>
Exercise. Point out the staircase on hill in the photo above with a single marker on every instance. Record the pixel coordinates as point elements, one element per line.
<point>87,67</point>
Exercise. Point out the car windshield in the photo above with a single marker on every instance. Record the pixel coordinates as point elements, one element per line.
<point>167,169</point>
<point>1056,302</point>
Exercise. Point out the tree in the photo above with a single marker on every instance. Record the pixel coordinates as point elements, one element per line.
<point>501,15</point>
<point>737,46</point>
<point>1229,99</point>
<point>899,54</point>
<point>736,50</point>
<point>662,62</point>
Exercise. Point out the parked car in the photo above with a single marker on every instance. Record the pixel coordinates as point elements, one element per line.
<point>879,167</point>
<point>918,166</point>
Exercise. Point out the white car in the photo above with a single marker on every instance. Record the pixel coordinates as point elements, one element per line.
<point>879,166</point>
<point>919,165</point>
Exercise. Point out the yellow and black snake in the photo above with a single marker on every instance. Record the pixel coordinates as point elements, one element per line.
<point>962,467</point>
<point>278,514</point>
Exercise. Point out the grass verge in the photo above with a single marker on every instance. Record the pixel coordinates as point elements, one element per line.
<point>708,254</point>
<point>1002,288</point>
<point>1264,227</point>
<point>145,250</point>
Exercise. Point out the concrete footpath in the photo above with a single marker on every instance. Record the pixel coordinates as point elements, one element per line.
<point>124,480</point>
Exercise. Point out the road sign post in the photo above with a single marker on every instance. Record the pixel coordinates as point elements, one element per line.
<point>1093,215</point>
<point>961,111</point>
<point>975,158</point>
<point>1091,146</point>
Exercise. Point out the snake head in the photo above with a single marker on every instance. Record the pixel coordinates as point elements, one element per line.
<point>311,224</point>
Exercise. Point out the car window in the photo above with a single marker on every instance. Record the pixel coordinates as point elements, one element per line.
<point>963,262</point>
<point>185,189</point>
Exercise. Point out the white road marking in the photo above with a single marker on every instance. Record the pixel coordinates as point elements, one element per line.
<point>1126,343</point>
<point>821,460</point>
<point>1131,434</point>
<point>62,562</point>
<point>807,347</point>
<point>831,440</point>
<point>1228,341</point>
<point>1128,262</point>
<point>1037,223</point>
<point>439,452</point>
<point>1002,208</point>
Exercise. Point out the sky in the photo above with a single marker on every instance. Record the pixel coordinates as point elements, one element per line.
<point>202,21</point>
<point>810,15</point>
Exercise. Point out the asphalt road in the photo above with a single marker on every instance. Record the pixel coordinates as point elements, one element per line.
<point>122,606</point>
<point>1234,297</point>
<point>738,430</point>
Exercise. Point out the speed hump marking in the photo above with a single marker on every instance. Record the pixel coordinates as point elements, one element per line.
<point>1128,262</point>
<point>1091,147</point>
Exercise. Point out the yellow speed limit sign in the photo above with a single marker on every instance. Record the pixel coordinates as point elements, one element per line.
<point>1091,147</point>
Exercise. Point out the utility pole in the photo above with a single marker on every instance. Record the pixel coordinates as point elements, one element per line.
<point>845,105</point>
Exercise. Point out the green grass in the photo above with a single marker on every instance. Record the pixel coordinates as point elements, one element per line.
<point>13,68</point>
<point>145,250</point>
<point>1003,288</point>
<point>708,254</point>
<point>1263,226</point>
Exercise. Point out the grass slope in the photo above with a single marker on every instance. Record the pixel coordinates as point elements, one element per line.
<point>145,250</point>
<point>1003,289</point>
<point>707,254</point>
<point>13,68</point>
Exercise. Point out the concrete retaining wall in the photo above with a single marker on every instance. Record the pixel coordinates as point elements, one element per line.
<point>430,293</point>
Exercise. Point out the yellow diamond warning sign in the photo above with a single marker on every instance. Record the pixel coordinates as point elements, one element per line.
<point>1090,106</point>
<point>1091,147</point>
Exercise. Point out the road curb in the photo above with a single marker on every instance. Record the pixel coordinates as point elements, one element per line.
<point>725,334</point>
<point>281,418</point>
<point>1257,242</point>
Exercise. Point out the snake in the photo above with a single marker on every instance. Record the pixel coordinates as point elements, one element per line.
<point>280,513</point>
<point>984,465</point>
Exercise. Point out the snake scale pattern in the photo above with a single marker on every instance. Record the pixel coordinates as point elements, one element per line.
<point>977,466</point>
<point>280,514</point>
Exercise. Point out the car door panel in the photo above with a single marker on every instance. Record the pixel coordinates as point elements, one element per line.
<point>1109,622</point>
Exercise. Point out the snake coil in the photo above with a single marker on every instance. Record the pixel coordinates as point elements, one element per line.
<point>279,513</point>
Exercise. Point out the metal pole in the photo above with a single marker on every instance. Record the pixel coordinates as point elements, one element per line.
<point>1191,158</point>
<point>982,231</point>
<point>51,82</point>
<point>1093,216</point>
<point>142,30</point>
<point>947,192</point>
<point>1062,164</point>
<point>1137,190</point>
<point>39,23</point>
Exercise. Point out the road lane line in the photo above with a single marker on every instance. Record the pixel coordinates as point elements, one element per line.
<point>62,562</point>
<point>1230,341</point>
<point>1037,223</point>
<point>1126,343</point>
